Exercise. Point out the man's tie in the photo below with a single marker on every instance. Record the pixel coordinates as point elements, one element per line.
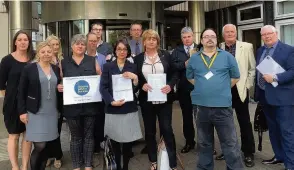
<point>137,49</point>
<point>261,79</point>
<point>188,51</point>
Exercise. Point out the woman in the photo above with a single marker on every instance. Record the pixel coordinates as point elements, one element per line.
<point>80,117</point>
<point>155,61</point>
<point>121,120</point>
<point>55,150</point>
<point>11,67</point>
<point>38,102</point>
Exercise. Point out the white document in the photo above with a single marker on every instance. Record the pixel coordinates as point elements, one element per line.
<point>270,66</point>
<point>157,82</point>
<point>83,89</point>
<point>122,88</point>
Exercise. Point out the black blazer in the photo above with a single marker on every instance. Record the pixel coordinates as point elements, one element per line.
<point>171,75</point>
<point>29,90</point>
<point>106,89</point>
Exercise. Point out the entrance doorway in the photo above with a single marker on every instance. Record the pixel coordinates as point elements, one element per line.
<point>251,34</point>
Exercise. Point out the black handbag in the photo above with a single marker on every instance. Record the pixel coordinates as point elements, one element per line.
<point>109,158</point>
<point>260,124</point>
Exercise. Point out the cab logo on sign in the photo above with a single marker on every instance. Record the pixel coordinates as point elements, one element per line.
<point>82,87</point>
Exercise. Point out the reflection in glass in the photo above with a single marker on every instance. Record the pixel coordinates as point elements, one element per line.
<point>51,28</point>
<point>285,7</point>
<point>287,34</point>
<point>78,27</point>
<point>250,13</point>
<point>63,28</point>
<point>114,35</point>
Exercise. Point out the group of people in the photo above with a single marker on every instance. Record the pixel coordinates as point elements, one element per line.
<point>210,79</point>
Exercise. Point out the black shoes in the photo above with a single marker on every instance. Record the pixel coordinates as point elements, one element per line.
<point>249,160</point>
<point>271,161</point>
<point>220,157</point>
<point>187,148</point>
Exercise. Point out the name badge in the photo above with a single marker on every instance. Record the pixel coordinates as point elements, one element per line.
<point>208,75</point>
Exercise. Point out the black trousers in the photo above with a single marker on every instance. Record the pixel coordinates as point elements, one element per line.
<point>187,112</point>
<point>164,114</point>
<point>99,126</point>
<point>243,116</point>
<point>54,147</point>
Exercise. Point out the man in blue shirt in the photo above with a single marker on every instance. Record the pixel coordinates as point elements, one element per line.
<point>213,72</point>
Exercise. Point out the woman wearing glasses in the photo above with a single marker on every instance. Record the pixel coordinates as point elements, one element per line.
<point>39,102</point>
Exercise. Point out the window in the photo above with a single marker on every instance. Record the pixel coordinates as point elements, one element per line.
<point>286,31</point>
<point>78,27</point>
<point>284,8</point>
<point>250,14</point>
<point>52,28</point>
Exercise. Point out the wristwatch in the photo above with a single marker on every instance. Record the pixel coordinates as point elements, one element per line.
<point>275,78</point>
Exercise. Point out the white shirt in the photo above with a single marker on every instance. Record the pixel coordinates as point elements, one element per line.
<point>191,47</point>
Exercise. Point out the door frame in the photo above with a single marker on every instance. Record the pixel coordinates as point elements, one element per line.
<point>248,27</point>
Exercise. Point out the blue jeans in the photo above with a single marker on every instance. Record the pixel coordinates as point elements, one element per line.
<point>208,118</point>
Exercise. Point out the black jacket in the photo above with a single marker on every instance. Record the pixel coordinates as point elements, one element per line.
<point>29,90</point>
<point>106,88</point>
<point>179,57</point>
<point>171,75</point>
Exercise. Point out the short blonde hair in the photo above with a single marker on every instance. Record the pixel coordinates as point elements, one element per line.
<point>40,45</point>
<point>53,37</point>
<point>150,33</point>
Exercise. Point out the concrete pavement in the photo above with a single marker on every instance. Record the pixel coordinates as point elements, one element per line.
<point>140,162</point>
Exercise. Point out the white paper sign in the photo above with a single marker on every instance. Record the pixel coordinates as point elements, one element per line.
<point>122,88</point>
<point>157,82</point>
<point>270,66</point>
<point>83,89</point>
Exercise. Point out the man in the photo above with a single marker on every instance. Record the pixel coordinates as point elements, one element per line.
<point>102,47</point>
<point>92,41</point>
<point>179,56</point>
<point>135,40</point>
<point>243,52</point>
<point>213,72</point>
<point>277,102</point>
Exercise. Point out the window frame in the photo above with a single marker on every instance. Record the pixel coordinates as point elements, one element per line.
<point>283,23</point>
<point>250,20</point>
<point>281,16</point>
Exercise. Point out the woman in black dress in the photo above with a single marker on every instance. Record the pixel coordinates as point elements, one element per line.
<point>10,71</point>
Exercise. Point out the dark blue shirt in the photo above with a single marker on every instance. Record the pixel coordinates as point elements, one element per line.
<point>216,91</point>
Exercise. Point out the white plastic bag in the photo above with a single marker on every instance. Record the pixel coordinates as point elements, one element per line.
<point>162,157</point>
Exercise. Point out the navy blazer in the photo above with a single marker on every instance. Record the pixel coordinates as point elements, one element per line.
<point>282,95</point>
<point>106,89</point>
<point>29,89</point>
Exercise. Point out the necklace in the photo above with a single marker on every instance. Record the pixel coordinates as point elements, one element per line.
<point>152,57</point>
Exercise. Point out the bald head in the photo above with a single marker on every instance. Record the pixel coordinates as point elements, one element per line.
<point>230,33</point>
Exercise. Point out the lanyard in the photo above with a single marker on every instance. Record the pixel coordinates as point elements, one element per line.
<point>212,60</point>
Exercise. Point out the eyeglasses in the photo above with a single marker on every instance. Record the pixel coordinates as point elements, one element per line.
<point>122,50</point>
<point>95,29</point>
<point>267,34</point>
<point>137,30</point>
<point>93,41</point>
<point>209,37</point>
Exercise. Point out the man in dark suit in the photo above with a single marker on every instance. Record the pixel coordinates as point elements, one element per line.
<point>180,57</point>
<point>278,102</point>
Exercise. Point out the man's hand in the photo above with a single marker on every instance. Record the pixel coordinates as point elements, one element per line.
<point>186,63</point>
<point>108,57</point>
<point>268,78</point>
<point>166,89</point>
<point>118,103</point>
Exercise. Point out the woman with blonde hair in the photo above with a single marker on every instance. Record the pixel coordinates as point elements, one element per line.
<point>156,61</point>
<point>39,103</point>
<point>55,150</point>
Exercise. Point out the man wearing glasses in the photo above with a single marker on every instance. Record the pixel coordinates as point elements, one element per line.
<point>102,47</point>
<point>135,40</point>
<point>213,72</point>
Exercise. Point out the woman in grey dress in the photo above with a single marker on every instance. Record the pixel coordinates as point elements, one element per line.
<point>38,104</point>
<point>121,120</point>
